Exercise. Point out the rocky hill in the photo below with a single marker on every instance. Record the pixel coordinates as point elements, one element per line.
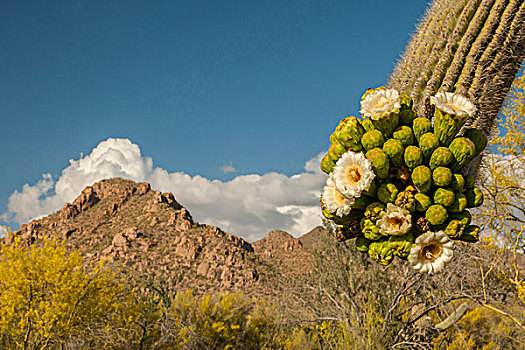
<point>152,237</point>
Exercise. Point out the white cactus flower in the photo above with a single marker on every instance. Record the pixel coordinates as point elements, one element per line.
<point>453,104</point>
<point>353,174</point>
<point>396,221</point>
<point>430,252</point>
<point>381,103</point>
<point>334,201</point>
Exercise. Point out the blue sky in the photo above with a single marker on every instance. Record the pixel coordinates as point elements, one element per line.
<point>197,85</point>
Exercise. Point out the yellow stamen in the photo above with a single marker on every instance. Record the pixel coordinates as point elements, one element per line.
<point>354,175</point>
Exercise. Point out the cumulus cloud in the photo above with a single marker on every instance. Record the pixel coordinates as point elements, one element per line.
<point>3,231</point>
<point>228,168</point>
<point>248,205</point>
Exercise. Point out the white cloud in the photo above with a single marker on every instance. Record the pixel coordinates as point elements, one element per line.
<point>3,231</point>
<point>248,205</point>
<point>228,168</point>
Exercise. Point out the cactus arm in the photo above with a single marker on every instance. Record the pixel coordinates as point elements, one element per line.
<point>465,44</point>
<point>411,58</point>
<point>435,41</point>
<point>453,43</point>
<point>478,47</point>
<point>471,47</point>
<point>495,44</point>
<point>429,69</point>
<point>493,93</point>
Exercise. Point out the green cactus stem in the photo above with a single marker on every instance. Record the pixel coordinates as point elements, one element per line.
<point>470,181</point>
<point>406,117</point>
<point>471,47</point>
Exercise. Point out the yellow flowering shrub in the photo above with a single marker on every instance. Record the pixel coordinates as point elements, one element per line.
<point>225,321</point>
<point>49,297</point>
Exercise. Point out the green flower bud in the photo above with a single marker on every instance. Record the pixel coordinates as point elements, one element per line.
<point>428,143</point>
<point>349,133</point>
<point>423,202</point>
<point>436,214</point>
<point>401,244</point>
<point>380,252</point>
<point>372,139</point>
<point>478,138</point>
<point>327,165</point>
<point>405,135</point>
<point>369,229</point>
<point>387,192</point>
<point>464,217</point>
<point>442,176</point>
<point>457,183</point>
<point>470,234</point>
<point>463,151</point>
<point>460,203</point>
<point>444,196</point>
<point>441,156</point>
<point>474,197</point>
<point>380,162</point>
<point>422,178</point>
<point>362,243</point>
<point>454,228</point>
<point>421,126</point>
<point>413,157</point>
<point>395,151</point>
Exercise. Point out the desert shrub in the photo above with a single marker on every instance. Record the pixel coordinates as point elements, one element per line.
<point>49,298</point>
<point>224,321</point>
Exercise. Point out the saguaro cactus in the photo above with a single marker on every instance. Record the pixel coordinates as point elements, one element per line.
<point>471,47</point>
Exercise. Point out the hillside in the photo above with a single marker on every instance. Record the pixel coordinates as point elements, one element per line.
<point>153,238</point>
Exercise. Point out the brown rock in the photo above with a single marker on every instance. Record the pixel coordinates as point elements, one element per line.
<point>119,240</point>
<point>68,211</point>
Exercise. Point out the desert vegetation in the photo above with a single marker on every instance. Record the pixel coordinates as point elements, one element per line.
<point>53,298</point>
<point>57,296</point>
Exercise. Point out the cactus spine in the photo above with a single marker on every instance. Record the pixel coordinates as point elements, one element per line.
<point>471,47</point>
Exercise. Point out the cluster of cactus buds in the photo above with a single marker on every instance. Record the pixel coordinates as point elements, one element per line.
<point>399,178</point>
